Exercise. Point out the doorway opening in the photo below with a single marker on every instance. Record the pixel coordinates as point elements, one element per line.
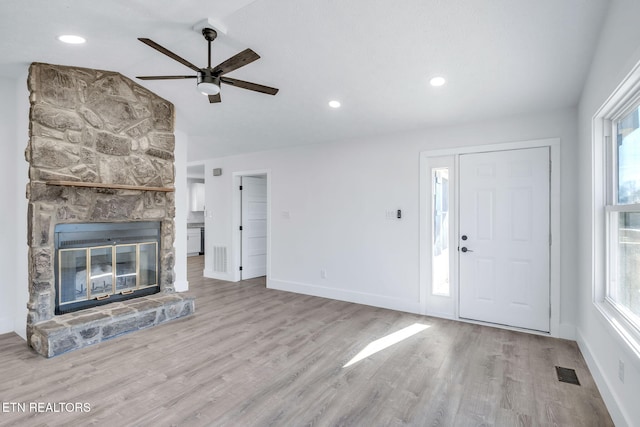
<point>492,195</point>
<point>252,219</point>
<point>196,212</point>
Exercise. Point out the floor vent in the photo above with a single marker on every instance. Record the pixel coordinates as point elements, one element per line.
<point>220,259</point>
<point>567,375</point>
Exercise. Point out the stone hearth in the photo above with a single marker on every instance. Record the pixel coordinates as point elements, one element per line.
<point>82,328</point>
<point>94,127</point>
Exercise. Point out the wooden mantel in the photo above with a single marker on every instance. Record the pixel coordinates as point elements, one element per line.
<point>109,186</point>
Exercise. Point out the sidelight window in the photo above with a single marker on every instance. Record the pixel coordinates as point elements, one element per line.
<point>440,233</point>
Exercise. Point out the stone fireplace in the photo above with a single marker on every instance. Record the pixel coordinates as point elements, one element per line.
<point>101,209</point>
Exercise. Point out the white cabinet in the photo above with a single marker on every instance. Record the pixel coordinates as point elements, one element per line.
<point>197,196</point>
<point>193,241</point>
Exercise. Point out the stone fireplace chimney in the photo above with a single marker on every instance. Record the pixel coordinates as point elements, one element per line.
<point>100,151</point>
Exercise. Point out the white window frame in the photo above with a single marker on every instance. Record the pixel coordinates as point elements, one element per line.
<point>443,306</point>
<point>604,180</point>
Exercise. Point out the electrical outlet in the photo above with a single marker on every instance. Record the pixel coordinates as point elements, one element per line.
<point>323,274</point>
<point>621,370</point>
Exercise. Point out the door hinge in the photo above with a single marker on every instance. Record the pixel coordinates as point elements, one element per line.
<point>241,188</point>
<point>550,239</point>
<point>240,228</point>
<point>240,268</point>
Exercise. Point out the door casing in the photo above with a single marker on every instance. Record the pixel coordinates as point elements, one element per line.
<point>253,194</point>
<point>236,257</point>
<point>431,159</point>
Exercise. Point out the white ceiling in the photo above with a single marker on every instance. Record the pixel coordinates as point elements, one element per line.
<point>500,58</point>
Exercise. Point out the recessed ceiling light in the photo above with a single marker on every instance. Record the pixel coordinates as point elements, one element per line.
<point>334,104</point>
<point>437,81</point>
<point>71,39</point>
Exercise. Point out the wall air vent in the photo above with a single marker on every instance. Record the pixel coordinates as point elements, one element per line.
<point>220,259</point>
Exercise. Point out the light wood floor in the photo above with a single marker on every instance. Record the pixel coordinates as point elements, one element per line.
<point>257,357</point>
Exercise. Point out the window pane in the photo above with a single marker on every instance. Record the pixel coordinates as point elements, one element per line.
<point>440,219</point>
<point>628,138</point>
<point>626,289</point>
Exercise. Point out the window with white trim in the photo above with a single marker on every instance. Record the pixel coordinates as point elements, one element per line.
<point>616,214</point>
<point>440,263</point>
<point>622,212</point>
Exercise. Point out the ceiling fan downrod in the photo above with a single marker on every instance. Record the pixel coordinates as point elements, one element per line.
<point>209,35</point>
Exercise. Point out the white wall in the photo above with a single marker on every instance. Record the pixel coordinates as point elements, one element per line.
<point>14,112</point>
<point>336,196</point>
<point>22,179</point>
<point>8,172</point>
<point>181,199</point>
<point>618,51</point>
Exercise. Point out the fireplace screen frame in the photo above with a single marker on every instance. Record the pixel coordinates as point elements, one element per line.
<point>87,237</point>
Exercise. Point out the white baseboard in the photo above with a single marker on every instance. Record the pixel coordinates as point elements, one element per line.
<point>181,285</point>
<point>441,315</point>
<point>608,395</point>
<point>210,274</point>
<point>6,325</point>
<point>374,300</point>
<point>567,331</point>
<point>22,332</point>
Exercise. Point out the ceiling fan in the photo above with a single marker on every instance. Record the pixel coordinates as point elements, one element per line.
<point>210,78</point>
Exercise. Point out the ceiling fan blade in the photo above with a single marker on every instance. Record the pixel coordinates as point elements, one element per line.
<point>248,85</point>
<point>164,77</point>
<point>243,58</point>
<point>214,98</point>
<point>167,52</point>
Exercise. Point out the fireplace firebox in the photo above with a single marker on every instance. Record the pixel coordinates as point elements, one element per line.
<point>100,263</point>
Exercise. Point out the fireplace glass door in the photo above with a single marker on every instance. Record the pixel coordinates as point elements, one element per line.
<point>73,272</point>
<point>148,264</point>
<point>100,272</point>
<point>126,268</point>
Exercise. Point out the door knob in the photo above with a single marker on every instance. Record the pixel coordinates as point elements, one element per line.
<point>464,237</point>
<point>464,249</point>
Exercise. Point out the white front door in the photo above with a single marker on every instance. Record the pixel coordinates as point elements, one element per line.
<point>254,227</point>
<point>504,238</point>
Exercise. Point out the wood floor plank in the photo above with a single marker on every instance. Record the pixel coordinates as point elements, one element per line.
<point>251,356</point>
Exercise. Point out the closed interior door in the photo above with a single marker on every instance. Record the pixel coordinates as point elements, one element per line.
<point>505,237</point>
<point>254,227</point>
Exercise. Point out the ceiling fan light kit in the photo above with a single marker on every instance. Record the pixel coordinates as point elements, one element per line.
<point>207,84</point>
<point>210,78</point>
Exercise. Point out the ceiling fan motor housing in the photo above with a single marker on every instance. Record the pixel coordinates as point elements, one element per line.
<point>208,84</point>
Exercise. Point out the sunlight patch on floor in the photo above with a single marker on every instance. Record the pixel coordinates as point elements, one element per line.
<point>388,341</point>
